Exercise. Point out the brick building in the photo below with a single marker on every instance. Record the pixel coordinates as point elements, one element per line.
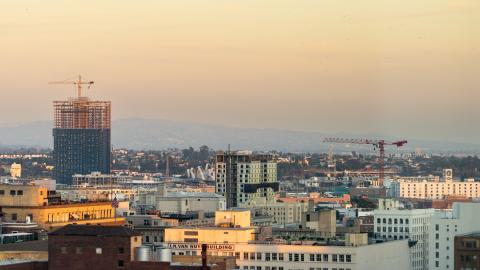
<point>78,247</point>
<point>467,251</point>
<point>89,247</point>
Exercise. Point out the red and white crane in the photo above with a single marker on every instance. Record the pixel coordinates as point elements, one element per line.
<point>377,144</point>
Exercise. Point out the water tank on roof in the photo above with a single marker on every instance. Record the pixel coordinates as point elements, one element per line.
<point>143,254</point>
<point>162,254</point>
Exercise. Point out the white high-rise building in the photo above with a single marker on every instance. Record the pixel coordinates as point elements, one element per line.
<point>393,223</point>
<point>446,224</point>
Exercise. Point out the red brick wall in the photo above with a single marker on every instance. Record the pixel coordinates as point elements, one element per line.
<point>88,259</point>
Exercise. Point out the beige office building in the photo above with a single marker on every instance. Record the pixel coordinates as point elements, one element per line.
<point>435,189</point>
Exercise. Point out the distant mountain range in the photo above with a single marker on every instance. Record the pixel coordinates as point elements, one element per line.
<point>158,134</point>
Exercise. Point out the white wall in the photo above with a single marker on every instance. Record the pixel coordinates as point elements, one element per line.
<point>464,218</point>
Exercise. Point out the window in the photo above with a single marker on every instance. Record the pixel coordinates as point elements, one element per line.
<point>237,255</point>
<point>296,258</point>
<point>245,255</point>
<point>319,257</point>
<point>259,256</point>
<point>78,250</point>
<point>14,216</point>
<point>2,192</point>
<point>267,257</point>
<point>312,257</point>
<point>334,258</point>
<point>280,258</point>
<point>12,192</point>
<point>120,263</point>
<point>252,256</point>
<point>325,257</point>
<point>20,192</point>
<point>121,250</point>
<point>98,250</point>
<point>342,258</point>
<point>437,227</point>
<point>348,258</point>
<point>191,240</point>
<point>191,232</point>
<point>274,256</point>
<point>147,239</point>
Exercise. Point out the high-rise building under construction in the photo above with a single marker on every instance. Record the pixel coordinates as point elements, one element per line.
<point>244,178</point>
<point>81,136</point>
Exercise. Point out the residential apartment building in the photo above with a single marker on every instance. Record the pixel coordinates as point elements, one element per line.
<point>242,176</point>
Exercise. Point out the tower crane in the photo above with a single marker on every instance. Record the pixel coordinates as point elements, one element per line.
<point>78,84</point>
<point>377,144</point>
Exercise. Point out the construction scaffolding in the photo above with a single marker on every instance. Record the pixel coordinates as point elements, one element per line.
<point>82,112</point>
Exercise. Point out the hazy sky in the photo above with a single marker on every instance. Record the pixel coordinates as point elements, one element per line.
<point>408,68</point>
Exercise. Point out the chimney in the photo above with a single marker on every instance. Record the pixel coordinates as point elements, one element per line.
<point>204,257</point>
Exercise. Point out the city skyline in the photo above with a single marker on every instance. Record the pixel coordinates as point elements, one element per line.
<point>371,67</point>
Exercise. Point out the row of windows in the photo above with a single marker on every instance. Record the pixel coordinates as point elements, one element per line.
<point>395,229</point>
<point>295,257</point>
<point>394,237</point>
<point>395,221</point>
<point>12,192</point>
<point>281,268</point>
<point>98,251</point>
<point>263,268</point>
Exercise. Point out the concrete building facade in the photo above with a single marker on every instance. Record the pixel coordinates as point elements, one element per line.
<point>20,203</point>
<point>399,224</point>
<point>446,224</point>
<point>435,188</point>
